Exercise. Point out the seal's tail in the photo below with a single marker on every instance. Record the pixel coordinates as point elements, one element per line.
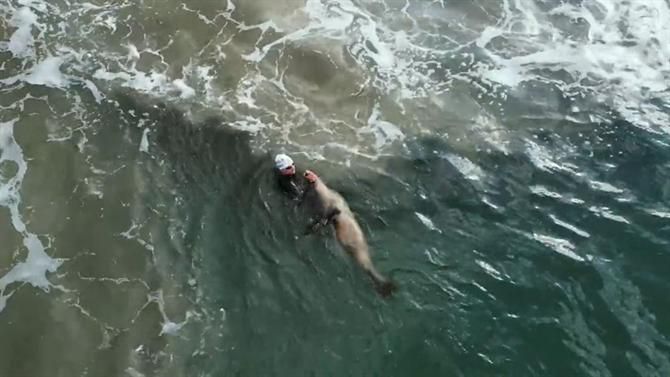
<point>384,286</point>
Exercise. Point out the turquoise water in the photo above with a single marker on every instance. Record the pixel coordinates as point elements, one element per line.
<point>509,164</point>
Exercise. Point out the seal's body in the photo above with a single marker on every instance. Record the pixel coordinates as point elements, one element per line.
<point>331,207</point>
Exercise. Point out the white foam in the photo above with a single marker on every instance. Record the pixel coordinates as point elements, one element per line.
<point>133,53</point>
<point>559,245</point>
<point>109,22</point>
<point>47,73</point>
<point>21,43</point>
<point>427,222</point>
<point>543,191</point>
<point>545,159</point>
<point>249,124</point>
<point>158,84</point>
<point>38,263</point>
<point>244,92</point>
<point>144,143</point>
<point>605,187</point>
<point>626,74</point>
<point>466,167</point>
<point>488,202</point>
<point>385,132</point>
<point>132,372</point>
<point>35,267</point>
<point>510,75</point>
<point>380,53</point>
<point>38,5</point>
<point>576,201</point>
<point>171,328</point>
<point>492,131</point>
<point>205,75</point>
<point>94,91</point>
<point>86,6</point>
<point>186,91</point>
<point>168,327</point>
<point>657,213</point>
<point>480,287</point>
<point>569,226</point>
<point>489,269</point>
<point>485,358</point>
<point>607,213</point>
<point>3,300</point>
<point>391,54</point>
<point>154,82</point>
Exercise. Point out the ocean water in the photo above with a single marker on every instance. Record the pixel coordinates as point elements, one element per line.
<point>509,162</point>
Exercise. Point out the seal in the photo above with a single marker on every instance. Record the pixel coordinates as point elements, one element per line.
<point>331,208</point>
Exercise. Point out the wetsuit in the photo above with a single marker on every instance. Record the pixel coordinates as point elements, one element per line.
<point>294,186</point>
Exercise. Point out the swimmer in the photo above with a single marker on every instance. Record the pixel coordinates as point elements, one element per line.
<point>289,181</point>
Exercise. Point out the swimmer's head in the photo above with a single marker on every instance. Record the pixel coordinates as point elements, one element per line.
<point>284,164</point>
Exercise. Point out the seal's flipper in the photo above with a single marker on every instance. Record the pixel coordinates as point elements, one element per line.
<point>320,222</point>
<point>386,288</point>
<point>313,227</point>
<point>330,216</point>
<point>383,285</point>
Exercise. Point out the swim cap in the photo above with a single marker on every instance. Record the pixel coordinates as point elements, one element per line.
<point>283,161</point>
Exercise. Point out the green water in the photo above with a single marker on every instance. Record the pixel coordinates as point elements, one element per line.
<point>142,234</point>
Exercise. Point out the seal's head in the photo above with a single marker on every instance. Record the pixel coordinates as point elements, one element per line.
<point>311,176</point>
<point>284,164</point>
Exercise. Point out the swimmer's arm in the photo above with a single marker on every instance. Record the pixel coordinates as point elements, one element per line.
<point>320,222</point>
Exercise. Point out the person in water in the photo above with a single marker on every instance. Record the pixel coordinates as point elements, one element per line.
<point>329,207</point>
<point>288,179</point>
<point>295,186</point>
